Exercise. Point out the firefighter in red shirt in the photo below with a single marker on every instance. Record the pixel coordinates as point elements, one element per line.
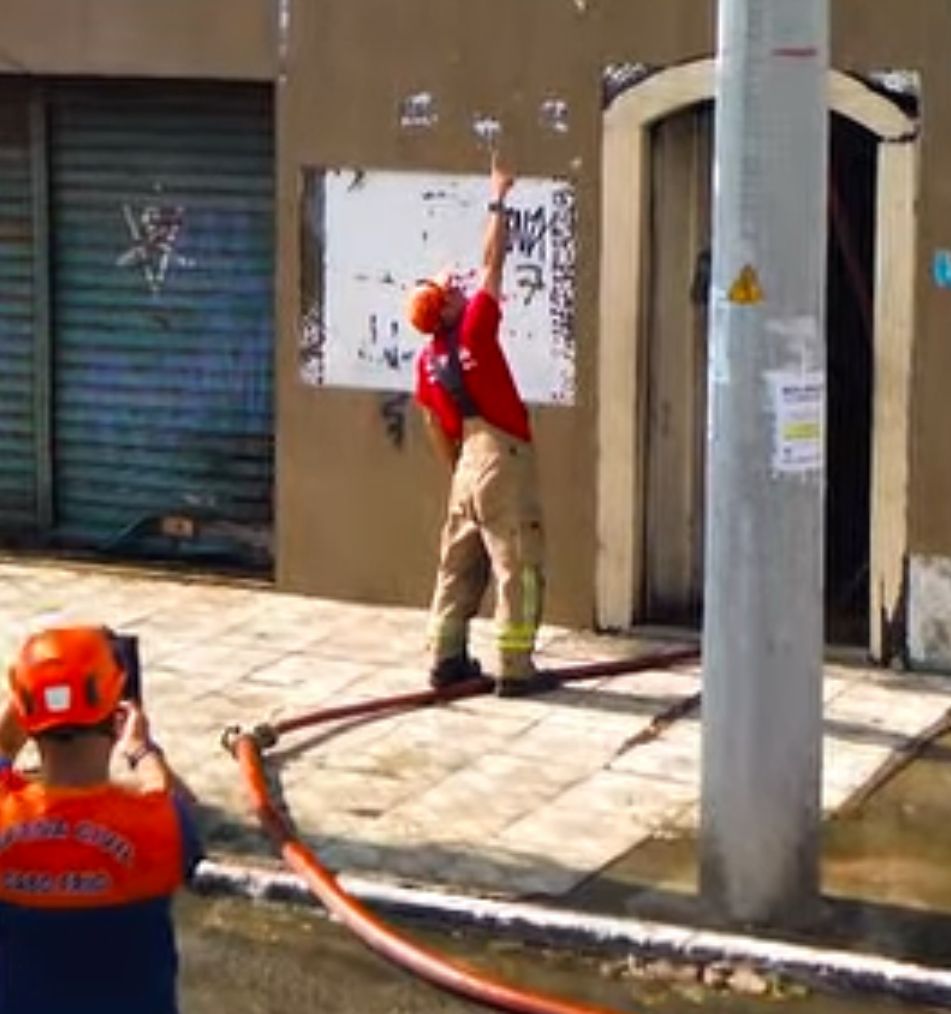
<point>480,426</point>
<point>88,867</point>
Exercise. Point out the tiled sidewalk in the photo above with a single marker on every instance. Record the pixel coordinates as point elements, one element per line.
<point>514,797</point>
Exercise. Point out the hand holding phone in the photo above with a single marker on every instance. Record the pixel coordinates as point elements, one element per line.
<point>125,647</point>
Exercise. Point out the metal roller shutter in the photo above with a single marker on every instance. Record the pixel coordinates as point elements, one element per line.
<point>18,486</point>
<point>162,209</point>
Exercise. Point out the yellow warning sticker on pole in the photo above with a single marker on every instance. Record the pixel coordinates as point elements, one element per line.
<point>746,290</point>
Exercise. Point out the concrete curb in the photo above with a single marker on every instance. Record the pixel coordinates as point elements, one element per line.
<point>554,927</point>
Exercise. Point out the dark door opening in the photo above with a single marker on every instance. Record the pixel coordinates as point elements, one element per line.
<point>680,210</point>
<point>850,362</point>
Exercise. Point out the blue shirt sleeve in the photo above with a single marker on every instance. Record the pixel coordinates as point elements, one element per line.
<point>192,850</point>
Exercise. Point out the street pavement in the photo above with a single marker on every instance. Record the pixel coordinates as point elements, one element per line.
<point>514,798</point>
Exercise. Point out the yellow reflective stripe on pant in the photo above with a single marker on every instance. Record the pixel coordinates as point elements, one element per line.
<point>520,637</point>
<point>448,637</point>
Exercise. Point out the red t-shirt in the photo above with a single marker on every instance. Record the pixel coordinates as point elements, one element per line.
<point>486,374</point>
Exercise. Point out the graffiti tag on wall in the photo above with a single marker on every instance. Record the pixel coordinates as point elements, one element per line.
<point>154,231</point>
<point>378,233</point>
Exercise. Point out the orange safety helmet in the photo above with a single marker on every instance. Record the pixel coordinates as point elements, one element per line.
<point>65,676</point>
<point>425,305</point>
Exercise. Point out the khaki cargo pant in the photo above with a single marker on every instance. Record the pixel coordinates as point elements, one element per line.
<point>494,529</point>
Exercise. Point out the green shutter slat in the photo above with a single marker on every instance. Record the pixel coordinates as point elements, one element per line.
<point>164,353</point>
<point>18,494</point>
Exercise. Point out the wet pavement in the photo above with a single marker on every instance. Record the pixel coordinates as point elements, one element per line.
<point>562,799</point>
<point>886,871</point>
<point>887,889</point>
<point>260,959</point>
<point>516,798</point>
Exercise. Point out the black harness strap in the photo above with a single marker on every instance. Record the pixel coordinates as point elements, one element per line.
<point>448,372</point>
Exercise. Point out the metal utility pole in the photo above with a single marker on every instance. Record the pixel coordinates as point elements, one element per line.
<point>763,630</point>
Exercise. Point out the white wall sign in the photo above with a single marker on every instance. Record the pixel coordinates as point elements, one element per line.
<point>378,233</point>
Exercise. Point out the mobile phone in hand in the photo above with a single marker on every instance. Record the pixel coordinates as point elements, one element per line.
<point>125,647</point>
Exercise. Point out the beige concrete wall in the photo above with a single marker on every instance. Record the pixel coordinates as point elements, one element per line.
<point>358,517</point>
<point>175,38</point>
<point>888,35</point>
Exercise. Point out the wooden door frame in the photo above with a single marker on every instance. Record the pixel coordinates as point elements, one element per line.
<point>622,393</point>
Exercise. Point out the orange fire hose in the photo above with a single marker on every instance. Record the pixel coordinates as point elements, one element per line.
<point>247,748</point>
<point>482,685</point>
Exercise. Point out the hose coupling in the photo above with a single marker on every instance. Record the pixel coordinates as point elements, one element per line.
<point>229,738</point>
<point>264,736</point>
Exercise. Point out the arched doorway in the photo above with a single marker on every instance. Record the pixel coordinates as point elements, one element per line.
<point>625,367</point>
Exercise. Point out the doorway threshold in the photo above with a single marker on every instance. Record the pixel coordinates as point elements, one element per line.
<point>834,652</point>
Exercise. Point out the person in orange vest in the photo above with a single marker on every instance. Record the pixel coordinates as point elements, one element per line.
<point>480,427</point>
<point>88,866</point>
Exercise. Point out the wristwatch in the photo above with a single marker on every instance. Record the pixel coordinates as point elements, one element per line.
<point>134,758</point>
<point>497,207</point>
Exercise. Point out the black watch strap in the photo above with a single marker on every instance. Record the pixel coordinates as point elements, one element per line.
<point>134,758</point>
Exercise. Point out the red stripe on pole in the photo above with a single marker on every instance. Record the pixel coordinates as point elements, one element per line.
<point>797,52</point>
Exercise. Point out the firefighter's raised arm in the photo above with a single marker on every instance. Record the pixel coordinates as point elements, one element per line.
<point>496,233</point>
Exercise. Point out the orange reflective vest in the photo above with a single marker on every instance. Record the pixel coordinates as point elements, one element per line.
<point>84,848</point>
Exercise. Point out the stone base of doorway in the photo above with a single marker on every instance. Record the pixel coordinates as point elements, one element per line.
<point>929,613</point>
<point>564,928</point>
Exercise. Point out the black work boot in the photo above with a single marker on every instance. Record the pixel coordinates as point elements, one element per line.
<point>518,676</point>
<point>448,672</point>
<point>524,686</point>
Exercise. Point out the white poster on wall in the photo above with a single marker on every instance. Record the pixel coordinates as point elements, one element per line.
<point>378,233</point>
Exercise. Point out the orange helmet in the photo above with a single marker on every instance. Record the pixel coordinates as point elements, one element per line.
<point>425,306</point>
<point>65,676</point>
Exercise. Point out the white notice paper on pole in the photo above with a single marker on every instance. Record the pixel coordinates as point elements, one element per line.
<point>798,403</point>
